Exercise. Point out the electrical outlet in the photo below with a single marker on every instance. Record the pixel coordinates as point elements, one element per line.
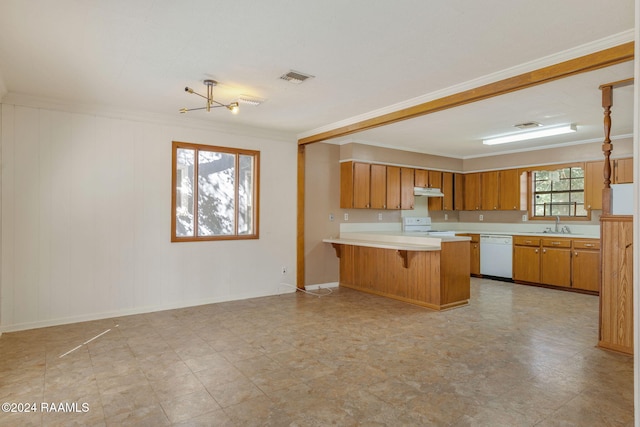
<point>446,217</point>
<point>524,217</point>
<point>331,217</point>
<point>379,217</point>
<point>481,217</point>
<point>284,269</point>
<point>346,216</point>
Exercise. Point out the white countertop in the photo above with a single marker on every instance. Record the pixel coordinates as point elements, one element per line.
<point>526,228</point>
<point>395,240</point>
<point>526,233</point>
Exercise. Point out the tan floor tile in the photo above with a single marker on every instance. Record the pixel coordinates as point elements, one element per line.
<point>516,355</point>
<point>234,392</point>
<point>189,406</point>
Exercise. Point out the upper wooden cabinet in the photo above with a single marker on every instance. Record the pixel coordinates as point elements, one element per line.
<point>489,193</point>
<point>458,191</point>
<point>421,178</point>
<point>407,198</point>
<point>355,185</point>
<point>448,190</point>
<point>393,187</point>
<point>500,190</point>
<point>346,185</point>
<point>593,184</point>
<point>622,171</point>
<point>509,189</point>
<point>472,191</point>
<point>378,199</point>
<point>435,181</point>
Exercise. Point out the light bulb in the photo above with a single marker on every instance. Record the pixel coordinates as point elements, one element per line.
<point>234,107</point>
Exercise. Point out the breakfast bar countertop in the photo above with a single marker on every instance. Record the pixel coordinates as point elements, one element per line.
<point>395,240</point>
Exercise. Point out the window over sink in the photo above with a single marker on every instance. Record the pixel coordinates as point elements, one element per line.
<point>558,192</point>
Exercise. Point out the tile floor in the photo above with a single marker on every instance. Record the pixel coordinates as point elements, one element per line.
<point>516,356</point>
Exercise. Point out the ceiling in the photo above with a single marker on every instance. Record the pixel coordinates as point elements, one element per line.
<point>138,55</point>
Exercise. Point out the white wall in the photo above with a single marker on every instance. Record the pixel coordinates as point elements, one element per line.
<point>86,203</point>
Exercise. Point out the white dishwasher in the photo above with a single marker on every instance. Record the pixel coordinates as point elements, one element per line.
<point>496,252</point>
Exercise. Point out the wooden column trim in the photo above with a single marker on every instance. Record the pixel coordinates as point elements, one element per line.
<point>607,146</point>
<point>593,61</point>
<point>300,227</point>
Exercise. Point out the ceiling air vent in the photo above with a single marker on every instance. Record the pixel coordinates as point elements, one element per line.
<point>527,125</point>
<point>296,77</point>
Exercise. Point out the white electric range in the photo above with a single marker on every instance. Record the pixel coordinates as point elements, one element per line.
<point>422,224</point>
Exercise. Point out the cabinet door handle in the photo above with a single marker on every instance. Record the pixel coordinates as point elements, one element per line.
<point>544,251</point>
<point>575,254</point>
<point>527,241</point>
<point>589,245</point>
<point>555,243</point>
<point>536,251</point>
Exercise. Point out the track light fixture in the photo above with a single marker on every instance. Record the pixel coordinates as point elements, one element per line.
<point>211,103</point>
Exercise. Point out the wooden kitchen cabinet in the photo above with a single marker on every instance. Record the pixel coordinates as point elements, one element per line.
<point>526,259</point>
<point>509,189</point>
<point>393,187</point>
<point>355,185</point>
<point>489,191</point>
<point>346,185</point>
<point>475,254</point>
<point>421,178</point>
<point>472,191</point>
<point>447,189</point>
<point>378,197</point>
<point>458,191</point>
<point>593,184</point>
<point>555,263</point>
<point>622,171</point>
<point>585,265</point>
<point>361,185</point>
<point>500,190</point>
<point>407,198</point>
<point>435,181</point>
<point>561,262</point>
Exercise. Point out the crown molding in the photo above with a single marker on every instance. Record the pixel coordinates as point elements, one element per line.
<point>431,152</point>
<point>582,50</point>
<point>191,122</point>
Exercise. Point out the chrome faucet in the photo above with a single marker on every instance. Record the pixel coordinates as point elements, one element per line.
<point>557,222</point>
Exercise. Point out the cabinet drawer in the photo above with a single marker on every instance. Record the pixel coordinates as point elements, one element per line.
<point>526,241</point>
<point>586,244</point>
<point>556,243</point>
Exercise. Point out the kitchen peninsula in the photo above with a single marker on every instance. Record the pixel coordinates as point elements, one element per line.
<point>427,271</point>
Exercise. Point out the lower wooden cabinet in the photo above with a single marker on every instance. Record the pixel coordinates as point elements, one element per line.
<point>555,262</point>
<point>585,265</point>
<point>526,259</point>
<point>474,253</point>
<point>560,262</point>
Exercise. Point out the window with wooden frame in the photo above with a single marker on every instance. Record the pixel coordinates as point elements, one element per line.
<point>558,192</point>
<point>214,193</point>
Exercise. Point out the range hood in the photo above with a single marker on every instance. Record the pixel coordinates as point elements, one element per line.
<point>427,192</point>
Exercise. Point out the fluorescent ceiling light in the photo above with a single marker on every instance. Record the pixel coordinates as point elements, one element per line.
<point>523,136</point>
